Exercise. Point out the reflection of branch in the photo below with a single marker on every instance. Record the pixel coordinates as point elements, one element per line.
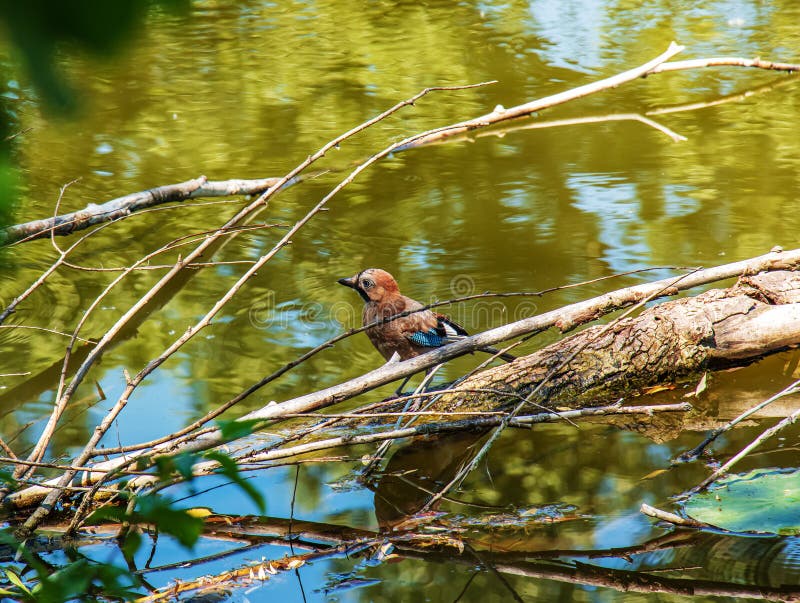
<point>331,541</point>
<point>490,566</point>
<point>46,330</point>
<point>523,124</point>
<point>342,542</point>
<point>722,100</point>
<point>452,426</point>
<point>765,435</point>
<point>697,450</point>
<point>620,580</point>
<point>642,582</point>
<point>250,573</point>
<point>502,114</point>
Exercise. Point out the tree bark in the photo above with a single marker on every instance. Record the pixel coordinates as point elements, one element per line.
<point>671,342</point>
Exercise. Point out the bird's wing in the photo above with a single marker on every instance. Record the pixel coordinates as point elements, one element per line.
<point>436,334</point>
<point>427,339</point>
<point>450,328</point>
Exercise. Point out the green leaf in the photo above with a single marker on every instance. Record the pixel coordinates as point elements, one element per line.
<point>233,430</point>
<point>131,543</point>
<point>165,467</point>
<point>6,476</point>
<point>107,513</point>
<point>73,581</point>
<point>179,523</point>
<point>230,469</point>
<point>758,501</point>
<point>181,464</point>
<point>143,462</point>
<point>68,581</point>
<point>184,463</point>
<point>15,580</point>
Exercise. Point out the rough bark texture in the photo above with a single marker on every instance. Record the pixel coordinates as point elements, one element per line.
<point>670,342</point>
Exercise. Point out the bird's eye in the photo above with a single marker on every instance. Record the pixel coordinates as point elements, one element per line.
<point>366,283</point>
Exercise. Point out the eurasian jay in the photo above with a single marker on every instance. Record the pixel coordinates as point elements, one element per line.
<point>410,335</point>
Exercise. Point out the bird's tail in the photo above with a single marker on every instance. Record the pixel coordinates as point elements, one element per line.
<point>494,351</point>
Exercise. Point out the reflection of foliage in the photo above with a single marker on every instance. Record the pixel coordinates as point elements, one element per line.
<point>38,29</point>
<point>8,174</point>
<point>79,577</point>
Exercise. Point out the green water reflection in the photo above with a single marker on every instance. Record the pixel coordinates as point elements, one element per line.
<point>249,89</point>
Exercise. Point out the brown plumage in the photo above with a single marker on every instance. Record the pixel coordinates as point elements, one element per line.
<point>410,335</point>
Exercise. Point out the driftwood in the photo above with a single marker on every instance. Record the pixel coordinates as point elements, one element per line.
<point>675,340</point>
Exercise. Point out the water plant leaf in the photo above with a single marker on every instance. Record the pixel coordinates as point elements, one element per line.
<point>757,501</point>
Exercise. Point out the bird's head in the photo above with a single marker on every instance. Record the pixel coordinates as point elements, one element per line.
<point>372,284</point>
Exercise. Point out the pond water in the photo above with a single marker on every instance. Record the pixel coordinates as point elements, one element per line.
<point>249,90</point>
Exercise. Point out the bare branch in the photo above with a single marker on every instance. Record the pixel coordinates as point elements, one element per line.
<point>725,62</point>
<point>502,114</point>
<point>44,509</point>
<point>124,206</point>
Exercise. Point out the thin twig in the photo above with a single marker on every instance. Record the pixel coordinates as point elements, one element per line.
<point>462,474</point>
<point>698,450</point>
<point>763,437</point>
<point>683,522</point>
<point>724,62</point>
<point>44,509</point>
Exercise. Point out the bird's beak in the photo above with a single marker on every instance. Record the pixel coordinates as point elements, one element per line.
<point>348,282</point>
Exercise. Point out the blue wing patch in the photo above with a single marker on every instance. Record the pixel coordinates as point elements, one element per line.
<point>427,339</point>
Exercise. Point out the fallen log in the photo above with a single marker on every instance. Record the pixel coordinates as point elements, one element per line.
<point>672,342</point>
